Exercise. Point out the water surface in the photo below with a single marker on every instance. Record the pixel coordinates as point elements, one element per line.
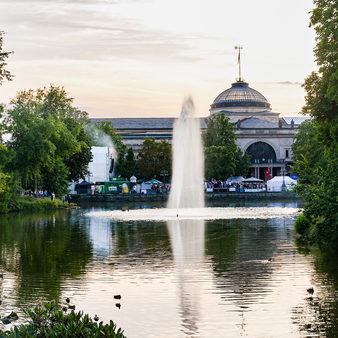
<point>178,278</point>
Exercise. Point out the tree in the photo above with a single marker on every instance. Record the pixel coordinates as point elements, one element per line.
<point>129,164</point>
<point>317,185</point>
<point>220,132</point>
<point>48,143</point>
<point>318,182</point>
<point>4,73</point>
<point>153,158</point>
<point>307,149</point>
<point>222,155</point>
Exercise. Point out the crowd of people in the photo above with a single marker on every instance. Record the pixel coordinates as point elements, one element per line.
<point>155,189</point>
<point>46,194</point>
<point>225,186</point>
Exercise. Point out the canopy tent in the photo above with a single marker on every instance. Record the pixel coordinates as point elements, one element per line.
<point>235,179</point>
<point>252,180</point>
<point>276,183</point>
<point>153,181</point>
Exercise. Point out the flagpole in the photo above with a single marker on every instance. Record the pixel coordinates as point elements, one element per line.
<point>239,62</point>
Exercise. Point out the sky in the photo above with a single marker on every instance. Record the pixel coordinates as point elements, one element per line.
<point>141,58</point>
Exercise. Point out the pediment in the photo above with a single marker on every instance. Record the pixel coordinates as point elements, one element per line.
<point>254,122</point>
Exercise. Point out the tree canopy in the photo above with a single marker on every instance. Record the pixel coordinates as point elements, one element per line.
<point>222,155</point>
<point>153,158</point>
<point>48,145</point>
<point>4,73</point>
<point>315,148</point>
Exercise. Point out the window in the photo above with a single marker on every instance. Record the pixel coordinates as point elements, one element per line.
<point>261,151</point>
<point>286,153</point>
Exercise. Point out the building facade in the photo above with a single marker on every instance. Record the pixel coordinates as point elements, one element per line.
<point>265,135</point>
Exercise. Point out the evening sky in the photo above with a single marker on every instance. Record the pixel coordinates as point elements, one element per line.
<point>140,58</point>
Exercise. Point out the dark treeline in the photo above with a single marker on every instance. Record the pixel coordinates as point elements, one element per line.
<point>315,148</point>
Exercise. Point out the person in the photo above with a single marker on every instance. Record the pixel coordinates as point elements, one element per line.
<point>63,200</point>
<point>69,198</point>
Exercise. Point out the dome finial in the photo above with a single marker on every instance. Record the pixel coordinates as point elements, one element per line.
<point>239,61</point>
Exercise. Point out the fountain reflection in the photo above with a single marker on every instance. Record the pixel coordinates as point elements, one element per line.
<point>187,241</point>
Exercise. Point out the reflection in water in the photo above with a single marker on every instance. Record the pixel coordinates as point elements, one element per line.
<point>40,251</point>
<point>187,241</point>
<point>214,280</point>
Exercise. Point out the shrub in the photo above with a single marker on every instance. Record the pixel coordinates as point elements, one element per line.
<point>30,203</point>
<point>301,224</point>
<point>48,321</point>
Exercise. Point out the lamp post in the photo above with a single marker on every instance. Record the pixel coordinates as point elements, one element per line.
<point>283,173</point>
<point>164,174</point>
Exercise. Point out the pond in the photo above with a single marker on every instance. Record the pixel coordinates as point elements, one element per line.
<point>202,277</point>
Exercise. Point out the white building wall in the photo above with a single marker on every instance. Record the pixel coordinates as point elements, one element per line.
<point>99,166</point>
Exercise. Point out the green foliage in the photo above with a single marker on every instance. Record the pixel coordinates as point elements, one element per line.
<point>321,87</point>
<point>308,151</point>
<point>219,162</point>
<point>49,321</point>
<point>48,145</point>
<point>316,166</point>
<point>30,203</point>
<point>220,132</point>
<point>4,73</point>
<point>153,158</point>
<point>77,163</point>
<point>12,201</point>
<point>41,243</point>
<point>129,164</point>
<point>301,224</point>
<point>316,149</point>
<point>3,182</point>
<point>222,155</point>
<point>4,192</point>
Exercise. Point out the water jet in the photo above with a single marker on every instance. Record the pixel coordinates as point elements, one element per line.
<point>188,162</point>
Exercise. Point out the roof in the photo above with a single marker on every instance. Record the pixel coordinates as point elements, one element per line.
<point>143,123</point>
<point>256,123</point>
<point>263,112</point>
<point>240,95</point>
<point>297,120</point>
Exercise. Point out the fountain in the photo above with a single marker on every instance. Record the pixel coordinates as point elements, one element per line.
<point>188,163</point>
<point>186,199</point>
<point>187,235</point>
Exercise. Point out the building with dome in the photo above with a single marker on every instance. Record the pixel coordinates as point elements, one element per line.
<point>262,133</point>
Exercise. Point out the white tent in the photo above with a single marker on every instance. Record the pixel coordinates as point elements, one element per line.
<point>252,180</point>
<point>276,183</point>
<point>235,179</point>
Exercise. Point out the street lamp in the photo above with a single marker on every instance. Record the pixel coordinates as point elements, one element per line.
<point>164,174</point>
<point>283,173</point>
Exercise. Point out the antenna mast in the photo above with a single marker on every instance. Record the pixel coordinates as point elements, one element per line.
<point>239,62</point>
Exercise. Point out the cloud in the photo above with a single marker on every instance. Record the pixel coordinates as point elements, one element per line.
<point>64,31</point>
<point>289,83</point>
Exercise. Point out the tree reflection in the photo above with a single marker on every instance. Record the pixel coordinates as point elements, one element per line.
<point>318,317</point>
<point>42,250</point>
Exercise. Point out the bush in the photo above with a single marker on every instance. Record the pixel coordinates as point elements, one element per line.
<point>301,224</point>
<point>30,203</point>
<point>36,204</point>
<point>48,321</point>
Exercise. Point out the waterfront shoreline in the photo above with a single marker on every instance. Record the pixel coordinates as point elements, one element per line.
<point>228,196</point>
